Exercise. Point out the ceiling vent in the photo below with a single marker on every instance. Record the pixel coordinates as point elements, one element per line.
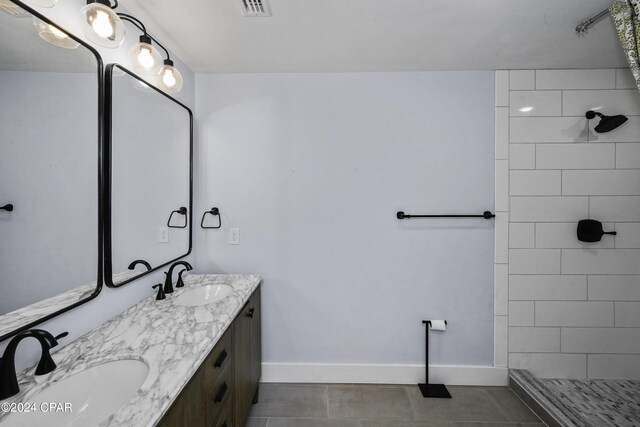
<point>256,8</point>
<point>13,9</point>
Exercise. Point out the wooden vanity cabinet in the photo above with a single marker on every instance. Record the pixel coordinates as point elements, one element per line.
<point>247,357</point>
<point>221,392</point>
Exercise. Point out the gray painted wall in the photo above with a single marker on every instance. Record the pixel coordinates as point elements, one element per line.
<point>312,169</point>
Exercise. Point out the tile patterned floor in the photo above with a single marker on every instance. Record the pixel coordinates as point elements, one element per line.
<point>600,402</point>
<point>345,405</point>
<point>585,403</point>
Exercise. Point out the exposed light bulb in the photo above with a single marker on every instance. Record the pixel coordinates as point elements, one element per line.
<point>54,35</point>
<point>168,78</point>
<point>145,58</point>
<point>101,24</point>
<point>56,32</point>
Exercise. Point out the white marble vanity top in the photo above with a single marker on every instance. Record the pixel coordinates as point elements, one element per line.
<point>172,340</point>
<point>26,315</point>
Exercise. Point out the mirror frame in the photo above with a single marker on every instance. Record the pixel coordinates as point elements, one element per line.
<point>108,247</point>
<point>100,171</point>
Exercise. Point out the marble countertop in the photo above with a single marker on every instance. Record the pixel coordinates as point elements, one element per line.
<point>11,321</point>
<point>172,340</point>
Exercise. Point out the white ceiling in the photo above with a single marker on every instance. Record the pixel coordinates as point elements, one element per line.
<point>382,35</point>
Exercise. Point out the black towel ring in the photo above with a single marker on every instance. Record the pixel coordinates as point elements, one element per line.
<point>181,211</point>
<point>214,212</point>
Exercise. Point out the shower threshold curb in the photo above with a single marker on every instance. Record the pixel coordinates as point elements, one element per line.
<point>540,399</point>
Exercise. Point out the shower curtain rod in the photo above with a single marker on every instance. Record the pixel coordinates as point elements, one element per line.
<point>582,28</point>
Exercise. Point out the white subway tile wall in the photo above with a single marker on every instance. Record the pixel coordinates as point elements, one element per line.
<point>567,309</point>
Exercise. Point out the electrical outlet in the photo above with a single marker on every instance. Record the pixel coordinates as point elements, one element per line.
<point>163,234</point>
<point>234,236</point>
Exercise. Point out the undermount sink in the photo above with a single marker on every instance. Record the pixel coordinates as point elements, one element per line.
<point>204,295</point>
<point>94,394</point>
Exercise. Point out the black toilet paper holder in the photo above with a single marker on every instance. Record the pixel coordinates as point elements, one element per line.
<point>431,390</point>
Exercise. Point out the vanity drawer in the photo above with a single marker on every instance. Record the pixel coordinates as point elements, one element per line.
<point>225,418</point>
<point>219,358</point>
<point>218,395</point>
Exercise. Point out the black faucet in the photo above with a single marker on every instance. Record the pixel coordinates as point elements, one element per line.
<point>168,282</point>
<point>140,261</point>
<point>8,377</point>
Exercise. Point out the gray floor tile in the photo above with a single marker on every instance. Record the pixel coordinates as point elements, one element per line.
<point>365,401</point>
<point>256,422</point>
<point>309,422</point>
<point>468,404</point>
<point>378,423</point>
<point>291,400</point>
<point>496,424</point>
<point>512,406</point>
<point>387,423</point>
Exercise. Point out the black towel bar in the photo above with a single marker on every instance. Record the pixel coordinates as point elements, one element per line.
<point>485,215</point>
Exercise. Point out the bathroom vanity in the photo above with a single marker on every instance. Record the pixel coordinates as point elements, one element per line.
<point>226,384</point>
<point>200,364</point>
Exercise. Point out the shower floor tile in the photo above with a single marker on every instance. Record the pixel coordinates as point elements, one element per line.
<point>585,403</point>
<point>600,402</point>
<point>355,405</point>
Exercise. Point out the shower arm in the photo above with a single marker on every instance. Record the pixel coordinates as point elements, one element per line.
<point>584,26</point>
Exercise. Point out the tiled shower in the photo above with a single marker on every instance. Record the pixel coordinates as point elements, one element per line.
<point>568,312</point>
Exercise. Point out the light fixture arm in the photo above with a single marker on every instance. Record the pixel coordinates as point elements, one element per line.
<point>139,25</point>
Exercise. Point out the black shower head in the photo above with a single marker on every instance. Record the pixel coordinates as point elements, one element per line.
<point>607,123</point>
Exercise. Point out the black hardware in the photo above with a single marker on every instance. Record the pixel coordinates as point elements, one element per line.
<point>108,175</point>
<point>139,261</point>
<point>220,360</point>
<point>8,207</point>
<point>485,215</point>
<point>214,212</point>
<point>221,392</point>
<point>180,283</point>
<point>8,380</point>
<point>101,167</point>
<point>590,231</point>
<point>161,294</point>
<point>607,123</point>
<point>168,283</point>
<point>251,312</point>
<point>181,211</point>
<point>431,390</point>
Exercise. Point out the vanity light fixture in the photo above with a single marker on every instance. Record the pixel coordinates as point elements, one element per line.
<point>54,35</point>
<point>42,3</point>
<point>101,24</point>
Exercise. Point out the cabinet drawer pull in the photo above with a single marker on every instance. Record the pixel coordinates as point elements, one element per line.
<point>251,311</point>
<point>220,360</point>
<point>221,392</point>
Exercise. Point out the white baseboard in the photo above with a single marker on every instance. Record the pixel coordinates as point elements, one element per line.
<point>382,374</point>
